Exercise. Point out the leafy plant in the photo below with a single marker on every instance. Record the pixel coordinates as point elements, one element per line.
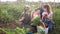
<point>20,30</point>
<point>7,31</point>
<point>35,20</point>
<point>10,12</point>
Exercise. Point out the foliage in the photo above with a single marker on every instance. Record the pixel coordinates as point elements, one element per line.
<point>10,12</point>
<point>40,29</point>
<point>13,31</point>
<point>7,31</point>
<point>56,19</point>
<point>35,20</point>
<point>20,30</point>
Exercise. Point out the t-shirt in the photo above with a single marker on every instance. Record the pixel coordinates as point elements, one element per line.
<point>27,18</point>
<point>46,16</point>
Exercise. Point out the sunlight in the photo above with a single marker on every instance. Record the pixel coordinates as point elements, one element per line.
<point>8,0</point>
<point>43,0</point>
<point>32,0</point>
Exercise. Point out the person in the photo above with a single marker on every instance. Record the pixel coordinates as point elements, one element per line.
<point>43,26</point>
<point>33,26</point>
<point>26,17</point>
<point>38,12</point>
<point>41,10</point>
<point>47,16</point>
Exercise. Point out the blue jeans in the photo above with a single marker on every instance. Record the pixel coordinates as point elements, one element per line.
<point>50,24</point>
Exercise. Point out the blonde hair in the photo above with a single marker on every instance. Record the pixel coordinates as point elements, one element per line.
<point>27,7</point>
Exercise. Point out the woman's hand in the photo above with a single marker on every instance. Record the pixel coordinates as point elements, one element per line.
<point>21,19</point>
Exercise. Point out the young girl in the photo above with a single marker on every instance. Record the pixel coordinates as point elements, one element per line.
<point>47,16</point>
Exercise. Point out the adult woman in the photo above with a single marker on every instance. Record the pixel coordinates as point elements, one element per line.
<point>47,16</point>
<point>26,17</point>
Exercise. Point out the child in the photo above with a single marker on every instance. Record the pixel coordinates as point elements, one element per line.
<point>47,17</point>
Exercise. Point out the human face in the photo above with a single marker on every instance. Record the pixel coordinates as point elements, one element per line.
<point>26,8</point>
<point>45,9</point>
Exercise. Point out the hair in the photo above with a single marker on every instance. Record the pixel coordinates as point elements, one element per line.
<point>26,6</point>
<point>48,8</point>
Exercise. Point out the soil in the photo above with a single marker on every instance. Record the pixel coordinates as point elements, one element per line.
<point>1,32</point>
<point>11,25</point>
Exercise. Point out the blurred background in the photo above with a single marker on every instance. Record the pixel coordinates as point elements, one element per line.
<point>11,11</point>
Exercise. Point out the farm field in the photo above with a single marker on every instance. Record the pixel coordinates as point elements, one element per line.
<point>10,14</point>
